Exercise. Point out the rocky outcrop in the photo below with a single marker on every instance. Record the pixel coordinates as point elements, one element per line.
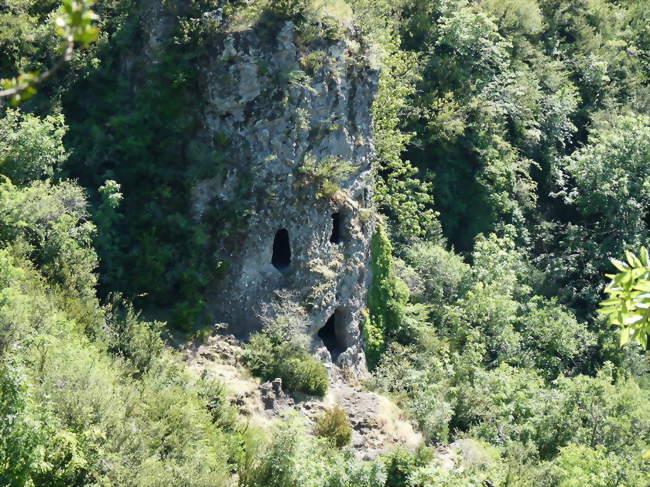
<point>294,119</point>
<point>378,425</point>
<point>271,393</point>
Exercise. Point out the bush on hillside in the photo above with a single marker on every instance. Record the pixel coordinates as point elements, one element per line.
<point>334,425</point>
<point>273,353</point>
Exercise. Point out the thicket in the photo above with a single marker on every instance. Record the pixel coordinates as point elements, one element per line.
<point>525,123</point>
<point>78,379</point>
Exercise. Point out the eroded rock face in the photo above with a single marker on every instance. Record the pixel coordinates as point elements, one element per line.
<point>295,123</point>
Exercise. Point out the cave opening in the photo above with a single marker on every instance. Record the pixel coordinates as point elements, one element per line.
<point>336,228</point>
<point>331,335</point>
<point>281,250</point>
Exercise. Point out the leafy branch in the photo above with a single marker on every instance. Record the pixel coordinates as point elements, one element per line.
<point>628,304</point>
<point>74,24</point>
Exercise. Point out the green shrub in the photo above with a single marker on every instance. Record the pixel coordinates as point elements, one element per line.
<point>273,353</point>
<point>313,62</point>
<point>325,175</point>
<point>294,458</point>
<point>579,465</point>
<point>20,437</point>
<point>287,9</point>
<point>400,463</point>
<point>334,425</point>
<point>303,373</point>
<point>70,403</point>
<point>439,273</point>
<point>214,393</point>
<point>127,336</point>
<point>374,340</point>
<point>52,219</point>
<point>277,465</point>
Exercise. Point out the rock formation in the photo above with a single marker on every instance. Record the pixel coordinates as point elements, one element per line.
<point>294,118</point>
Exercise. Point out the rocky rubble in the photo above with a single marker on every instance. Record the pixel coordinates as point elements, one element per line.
<point>378,424</point>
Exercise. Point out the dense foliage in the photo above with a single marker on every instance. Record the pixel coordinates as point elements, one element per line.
<point>513,162</point>
<point>277,352</point>
<point>530,118</point>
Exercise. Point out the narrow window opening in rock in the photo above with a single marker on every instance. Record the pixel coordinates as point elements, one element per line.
<point>336,228</point>
<point>281,250</point>
<point>331,335</point>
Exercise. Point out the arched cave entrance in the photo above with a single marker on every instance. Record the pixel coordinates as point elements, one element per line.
<point>281,250</point>
<point>336,228</point>
<point>331,334</point>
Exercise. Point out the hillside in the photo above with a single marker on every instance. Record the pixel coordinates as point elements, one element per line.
<point>324,243</point>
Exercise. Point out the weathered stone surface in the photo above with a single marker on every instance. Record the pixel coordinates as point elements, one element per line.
<point>277,120</point>
<point>270,393</point>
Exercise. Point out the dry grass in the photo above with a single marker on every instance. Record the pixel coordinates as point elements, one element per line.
<point>338,10</point>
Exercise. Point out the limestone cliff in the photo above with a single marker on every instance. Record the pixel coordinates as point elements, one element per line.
<point>294,117</point>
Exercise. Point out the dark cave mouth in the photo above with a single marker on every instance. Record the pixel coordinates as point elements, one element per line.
<point>331,334</point>
<point>335,237</point>
<point>281,250</point>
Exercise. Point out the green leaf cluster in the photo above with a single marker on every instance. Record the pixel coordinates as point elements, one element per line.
<point>74,24</point>
<point>628,302</point>
<point>75,21</point>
